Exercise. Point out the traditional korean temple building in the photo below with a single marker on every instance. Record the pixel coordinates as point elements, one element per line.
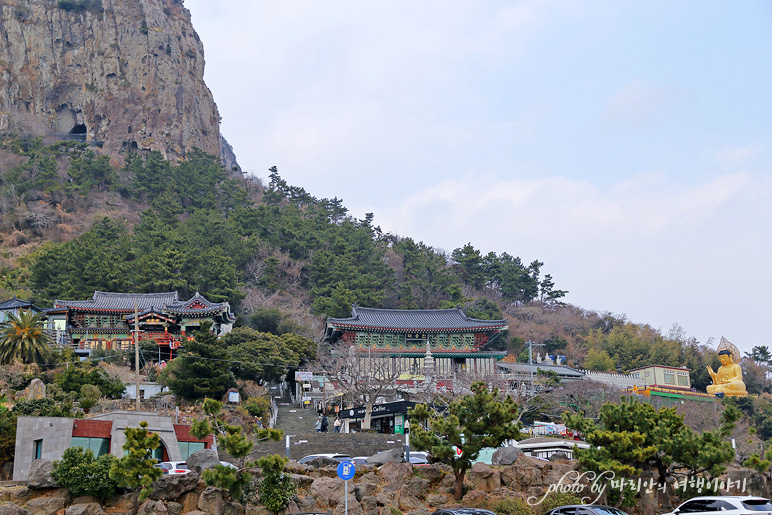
<point>107,320</point>
<point>421,341</point>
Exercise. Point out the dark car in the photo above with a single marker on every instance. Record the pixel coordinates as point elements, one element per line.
<point>464,511</point>
<point>586,509</point>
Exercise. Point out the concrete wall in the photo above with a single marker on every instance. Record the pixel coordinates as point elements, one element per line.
<point>162,426</point>
<point>56,434</point>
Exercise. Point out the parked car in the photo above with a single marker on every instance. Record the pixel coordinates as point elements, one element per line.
<point>418,460</point>
<point>586,509</point>
<point>463,511</point>
<point>173,467</point>
<point>336,457</point>
<point>359,460</point>
<point>229,465</point>
<point>726,504</point>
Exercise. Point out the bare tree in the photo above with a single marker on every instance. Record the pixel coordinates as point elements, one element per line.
<point>360,377</point>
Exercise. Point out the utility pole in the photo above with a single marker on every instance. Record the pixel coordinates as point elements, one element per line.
<point>530,363</point>
<point>136,354</point>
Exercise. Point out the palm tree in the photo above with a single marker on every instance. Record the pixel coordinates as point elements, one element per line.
<point>22,338</point>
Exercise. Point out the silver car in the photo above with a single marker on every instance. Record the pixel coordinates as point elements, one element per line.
<point>726,504</point>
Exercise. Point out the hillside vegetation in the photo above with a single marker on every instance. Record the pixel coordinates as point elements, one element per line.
<point>73,222</point>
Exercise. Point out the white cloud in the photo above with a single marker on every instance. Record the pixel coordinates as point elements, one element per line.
<point>640,103</point>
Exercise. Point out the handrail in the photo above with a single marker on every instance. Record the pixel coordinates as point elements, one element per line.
<point>274,413</point>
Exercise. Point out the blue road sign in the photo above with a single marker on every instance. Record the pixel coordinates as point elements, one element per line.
<point>346,470</point>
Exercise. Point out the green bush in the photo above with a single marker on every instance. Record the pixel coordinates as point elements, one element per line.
<point>513,506</point>
<point>42,408</point>
<point>556,499</point>
<point>277,487</point>
<point>82,474</point>
<point>257,406</point>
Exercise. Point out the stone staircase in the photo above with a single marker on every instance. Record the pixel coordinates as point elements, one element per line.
<point>300,425</point>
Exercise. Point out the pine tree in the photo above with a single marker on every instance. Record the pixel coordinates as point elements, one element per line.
<point>469,424</point>
<point>136,469</point>
<point>200,371</point>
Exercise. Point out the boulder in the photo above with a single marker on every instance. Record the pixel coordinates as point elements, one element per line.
<point>484,478</point>
<point>431,472</point>
<point>11,509</point>
<point>323,461</point>
<point>250,510</point>
<point>354,508</point>
<point>40,475</point>
<point>202,460</point>
<point>560,455</point>
<point>301,480</point>
<point>505,455</point>
<point>151,507</point>
<point>232,508</point>
<point>174,508</point>
<point>304,504</point>
<point>415,487</point>
<point>386,456</point>
<point>211,500</point>
<point>436,499</point>
<point>370,506</point>
<point>173,486</point>
<point>84,509</point>
<point>474,498</point>
<point>18,494</point>
<point>189,501</point>
<point>362,490</point>
<point>395,471</point>
<point>328,491</point>
<point>46,505</point>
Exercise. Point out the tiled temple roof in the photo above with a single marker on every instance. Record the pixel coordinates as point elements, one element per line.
<point>161,303</point>
<point>122,301</point>
<point>15,303</point>
<point>414,320</point>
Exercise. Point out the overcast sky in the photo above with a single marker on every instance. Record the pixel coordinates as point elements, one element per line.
<point>626,144</point>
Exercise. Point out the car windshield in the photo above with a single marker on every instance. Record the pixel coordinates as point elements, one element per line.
<point>757,505</point>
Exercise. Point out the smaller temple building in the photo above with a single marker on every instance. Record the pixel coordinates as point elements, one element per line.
<point>107,320</point>
<point>440,342</point>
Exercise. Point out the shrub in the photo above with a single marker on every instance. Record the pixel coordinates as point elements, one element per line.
<point>257,406</point>
<point>82,474</point>
<point>277,487</point>
<point>513,506</point>
<point>89,396</point>
<point>556,499</point>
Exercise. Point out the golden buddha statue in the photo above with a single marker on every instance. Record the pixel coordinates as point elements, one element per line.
<point>728,379</point>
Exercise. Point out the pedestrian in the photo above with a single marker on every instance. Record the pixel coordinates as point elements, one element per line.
<point>324,423</point>
<point>337,424</point>
<point>319,425</point>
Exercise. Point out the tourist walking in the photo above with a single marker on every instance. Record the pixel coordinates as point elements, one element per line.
<point>319,425</point>
<point>337,424</point>
<point>324,423</point>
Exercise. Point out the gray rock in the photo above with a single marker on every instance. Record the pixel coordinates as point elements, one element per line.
<point>233,508</point>
<point>323,461</point>
<point>174,508</point>
<point>386,456</point>
<point>436,499</point>
<point>305,504</point>
<point>151,507</point>
<point>40,475</point>
<point>362,490</point>
<point>172,486</point>
<point>211,500</point>
<point>505,455</point>
<point>11,509</point>
<point>559,456</point>
<point>84,509</point>
<point>202,460</point>
<point>46,505</point>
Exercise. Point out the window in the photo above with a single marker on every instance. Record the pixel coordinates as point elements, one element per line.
<point>37,450</point>
<point>683,380</point>
<point>669,378</point>
<point>99,446</point>
<point>701,505</point>
<point>188,448</point>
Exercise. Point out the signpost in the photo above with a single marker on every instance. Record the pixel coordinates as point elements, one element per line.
<point>346,471</point>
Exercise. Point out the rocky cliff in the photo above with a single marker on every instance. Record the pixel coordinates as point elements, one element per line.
<point>120,74</point>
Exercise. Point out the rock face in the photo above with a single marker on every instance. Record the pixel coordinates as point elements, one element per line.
<point>202,460</point>
<point>122,74</point>
<point>40,474</point>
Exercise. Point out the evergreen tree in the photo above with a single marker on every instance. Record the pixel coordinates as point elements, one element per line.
<point>631,436</point>
<point>200,369</point>
<point>469,424</point>
<point>136,470</point>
